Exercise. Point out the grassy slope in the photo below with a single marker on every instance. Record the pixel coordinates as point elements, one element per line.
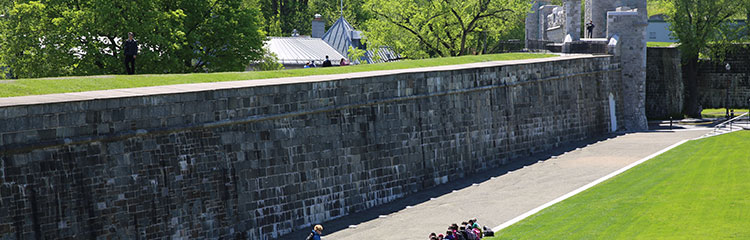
<point>696,191</point>
<point>22,87</point>
<point>720,112</point>
<point>660,44</point>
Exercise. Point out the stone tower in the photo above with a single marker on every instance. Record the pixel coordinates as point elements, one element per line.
<point>626,29</point>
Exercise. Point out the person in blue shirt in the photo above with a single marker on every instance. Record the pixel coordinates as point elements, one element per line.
<point>316,232</point>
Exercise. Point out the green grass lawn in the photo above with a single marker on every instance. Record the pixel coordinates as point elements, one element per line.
<point>720,112</point>
<point>22,87</point>
<point>699,190</point>
<point>660,44</point>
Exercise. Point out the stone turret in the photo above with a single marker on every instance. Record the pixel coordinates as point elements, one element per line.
<point>626,29</point>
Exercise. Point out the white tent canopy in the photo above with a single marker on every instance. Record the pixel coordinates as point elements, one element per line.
<point>299,50</point>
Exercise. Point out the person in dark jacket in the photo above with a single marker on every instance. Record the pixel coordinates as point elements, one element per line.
<point>327,63</point>
<point>316,232</point>
<point>449,235</point>
<point>590,29</point>
<point>131,50</point>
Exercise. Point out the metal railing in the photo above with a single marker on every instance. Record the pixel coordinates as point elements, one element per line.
<point>729,123</point>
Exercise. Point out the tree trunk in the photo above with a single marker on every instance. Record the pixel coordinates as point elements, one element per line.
<point>463,44</point>
<point>690,76</point>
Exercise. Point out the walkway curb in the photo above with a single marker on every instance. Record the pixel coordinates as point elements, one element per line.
<point>583,188</point>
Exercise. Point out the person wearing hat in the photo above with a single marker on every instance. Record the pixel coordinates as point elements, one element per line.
<point>316,232</point>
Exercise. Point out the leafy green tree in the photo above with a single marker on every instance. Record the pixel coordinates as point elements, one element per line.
<point>355,55</point>
<point>58,38</point>
<point>425,28</point>
<point>283,16</point>
<point>353,11</point>
<point>696,24</point>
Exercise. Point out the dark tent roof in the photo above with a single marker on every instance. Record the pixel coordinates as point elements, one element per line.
<point>339,36</point>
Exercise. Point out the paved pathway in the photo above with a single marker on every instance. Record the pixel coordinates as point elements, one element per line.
<point>503,194</point>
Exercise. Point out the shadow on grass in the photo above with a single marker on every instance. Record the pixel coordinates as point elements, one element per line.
<point>414,199</point>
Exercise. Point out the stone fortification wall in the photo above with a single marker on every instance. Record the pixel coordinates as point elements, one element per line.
<point>714,80</point>
<point>664,86</point>
<point>255,162</point>
<point>596,12</point>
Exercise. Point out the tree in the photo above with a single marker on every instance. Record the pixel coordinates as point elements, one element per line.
<point>425,28</point>
<point>283,16</point>
<point>58,38</point>
<point>355,55</point>
<point>696,24</point>
<point>353,11</point>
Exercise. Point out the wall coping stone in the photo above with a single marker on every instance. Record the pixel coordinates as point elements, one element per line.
<point>199,87</point>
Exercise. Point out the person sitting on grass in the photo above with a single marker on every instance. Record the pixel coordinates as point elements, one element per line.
<point>343,62</point>
<point>327,63</point>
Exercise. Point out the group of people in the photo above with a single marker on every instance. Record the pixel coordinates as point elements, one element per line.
<point>469,230</point>
<point>326,63</point>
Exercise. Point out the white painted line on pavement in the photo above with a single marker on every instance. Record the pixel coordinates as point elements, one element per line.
<point>581,189</point>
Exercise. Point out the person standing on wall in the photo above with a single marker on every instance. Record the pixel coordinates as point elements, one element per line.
<point>327,63</point>
<point>131,50</point>
<point>590,29</point>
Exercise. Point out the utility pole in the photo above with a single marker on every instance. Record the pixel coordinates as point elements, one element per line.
<point>729,85</point>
